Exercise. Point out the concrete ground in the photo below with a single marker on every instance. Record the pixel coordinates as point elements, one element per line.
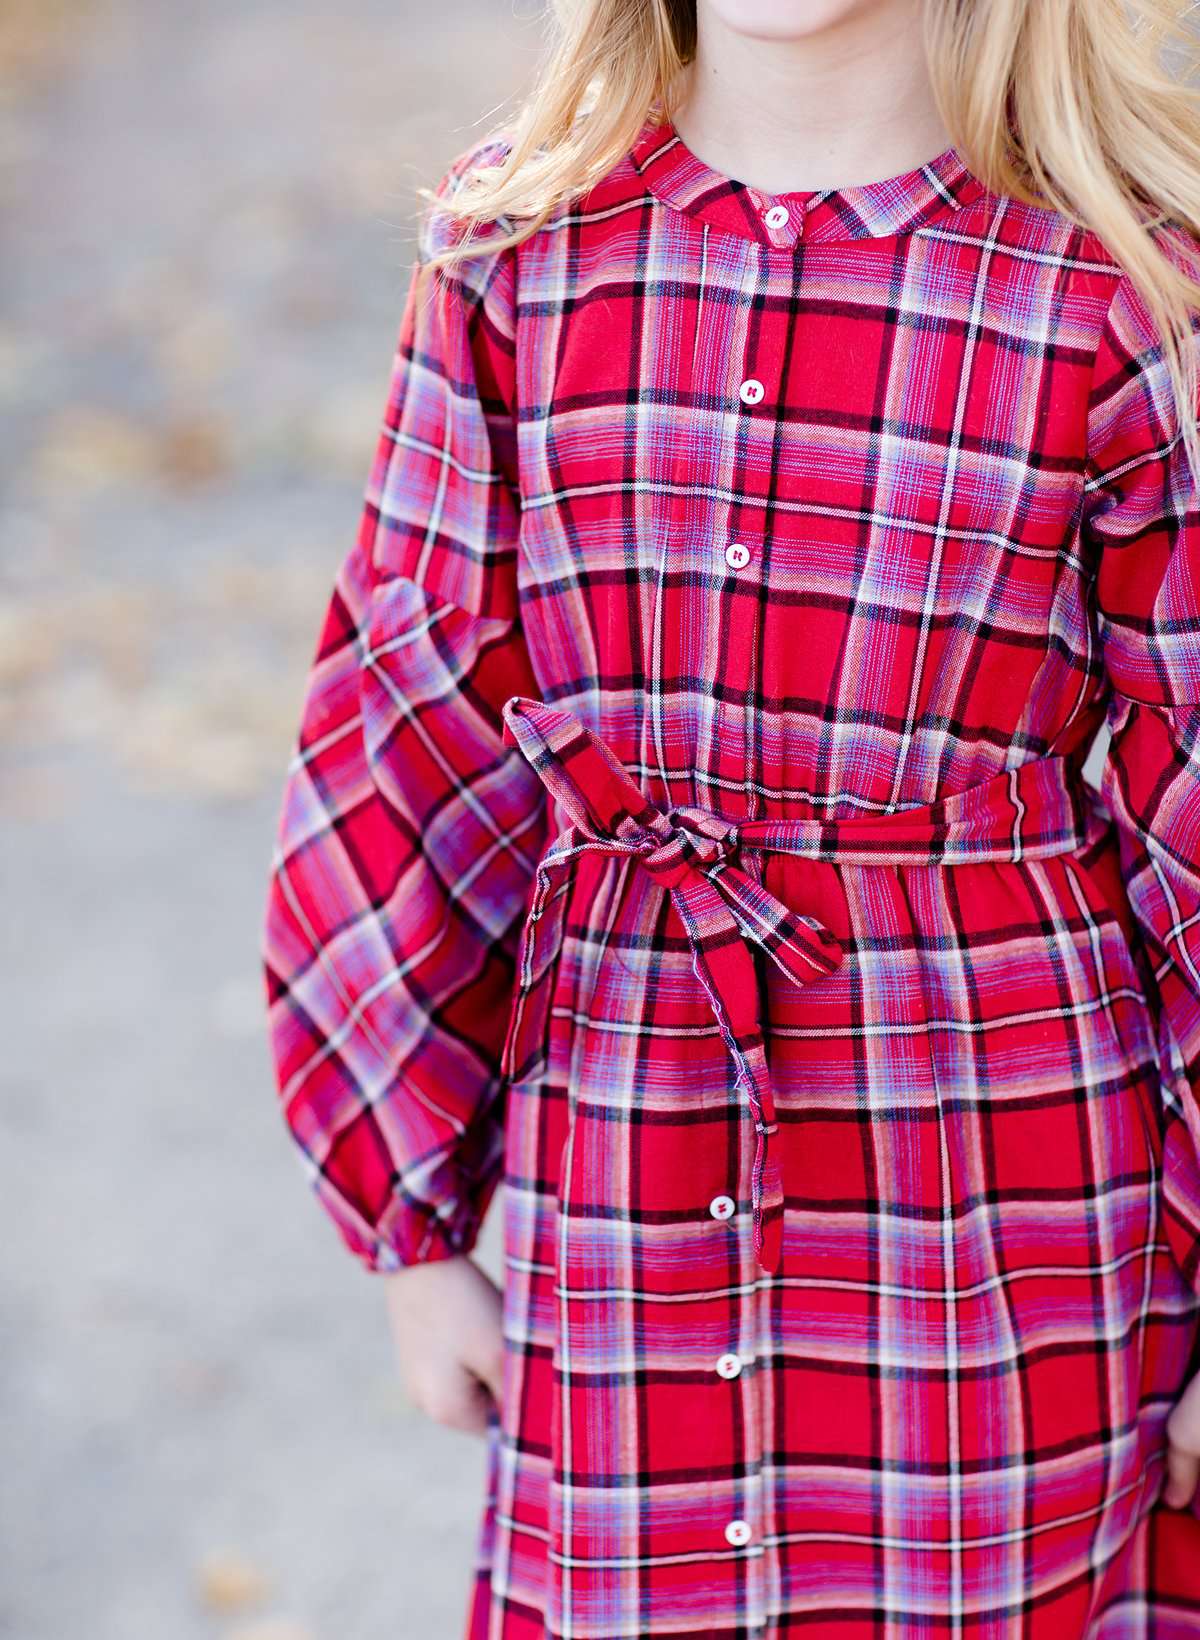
<point>208,216</point>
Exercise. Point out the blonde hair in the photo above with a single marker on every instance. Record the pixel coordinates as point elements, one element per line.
<point>1067,103</point>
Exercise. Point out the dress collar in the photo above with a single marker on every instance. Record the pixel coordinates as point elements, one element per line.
<point>892,205</point>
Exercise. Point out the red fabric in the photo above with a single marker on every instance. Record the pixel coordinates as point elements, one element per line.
<point>686,828</point>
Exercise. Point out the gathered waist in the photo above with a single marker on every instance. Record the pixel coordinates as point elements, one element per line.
<point>1037,808</point>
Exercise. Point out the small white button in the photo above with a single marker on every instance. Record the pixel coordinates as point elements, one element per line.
<point>777,216</point>
<point>737,556</point>
<point>738,1532</point>
<point>751,390</point>
<point>721,1207</point>
<point>729,1365</point>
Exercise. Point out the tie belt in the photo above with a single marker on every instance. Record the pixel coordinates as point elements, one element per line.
<point>1028,812</point>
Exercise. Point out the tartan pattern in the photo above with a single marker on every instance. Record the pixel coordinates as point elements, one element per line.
<point>686,827</point>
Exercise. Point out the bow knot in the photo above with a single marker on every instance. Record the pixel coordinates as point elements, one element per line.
<point>725,909</point>
<point>686,839</point>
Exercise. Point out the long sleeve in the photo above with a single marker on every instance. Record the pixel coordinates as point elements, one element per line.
<point>408,833</point>
<point>1142,524</point>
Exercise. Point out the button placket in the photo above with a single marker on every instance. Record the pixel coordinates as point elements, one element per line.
<point>756,390</point>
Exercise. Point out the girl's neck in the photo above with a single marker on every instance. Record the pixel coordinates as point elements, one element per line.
<point>825,106</point>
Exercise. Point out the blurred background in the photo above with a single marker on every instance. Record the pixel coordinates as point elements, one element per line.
<point>209,212</point>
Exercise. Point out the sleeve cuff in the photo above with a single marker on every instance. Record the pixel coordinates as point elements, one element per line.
<point>436,1239</point>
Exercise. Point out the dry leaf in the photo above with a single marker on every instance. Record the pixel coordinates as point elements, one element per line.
<point>36,34</point>
<point>230,1581</point>
<point>195,449</point>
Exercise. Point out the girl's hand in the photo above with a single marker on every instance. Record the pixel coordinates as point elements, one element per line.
<point>446,1322</point>
<point>1183,1447</point>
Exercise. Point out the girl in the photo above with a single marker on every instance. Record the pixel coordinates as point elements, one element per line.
<point>789,465</point>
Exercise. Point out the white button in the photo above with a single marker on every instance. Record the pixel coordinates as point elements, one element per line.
<point>729,1365</point>
<point>751,390</point>
<point>721,1207</point>
<point>737,555</point>
<point>776,216</point>
<point>737,1532</point>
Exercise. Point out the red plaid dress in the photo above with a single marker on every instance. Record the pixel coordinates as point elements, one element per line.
<point>686,829</point>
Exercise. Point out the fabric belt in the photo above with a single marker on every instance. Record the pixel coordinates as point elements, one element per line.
<point>1031,811</point>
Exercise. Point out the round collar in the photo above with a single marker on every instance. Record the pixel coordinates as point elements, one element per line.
<point>892,205</point>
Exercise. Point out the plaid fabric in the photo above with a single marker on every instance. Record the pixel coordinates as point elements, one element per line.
<point>686,828</point>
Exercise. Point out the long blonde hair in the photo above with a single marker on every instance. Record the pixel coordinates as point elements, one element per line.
<point>1067,103</point>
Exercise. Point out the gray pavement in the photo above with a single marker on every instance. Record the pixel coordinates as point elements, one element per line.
<point>208,213</point>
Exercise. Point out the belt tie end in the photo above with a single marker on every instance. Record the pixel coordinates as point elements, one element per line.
<point>722,908</point>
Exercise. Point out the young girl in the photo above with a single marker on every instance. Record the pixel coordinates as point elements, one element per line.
<point>789,465</point>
